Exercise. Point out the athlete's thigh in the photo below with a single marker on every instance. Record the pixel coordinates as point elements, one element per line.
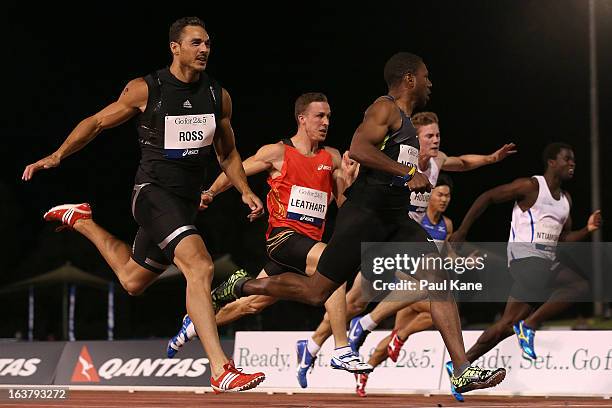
<point>312,259</point>
<point>137,273</point>
<point>147,254</point>
<point>566,276</point>
<point>288,251</point>
<point>165,217</point>
<point>424,306</point>
<point>341,259</point>
<point>405,316</point>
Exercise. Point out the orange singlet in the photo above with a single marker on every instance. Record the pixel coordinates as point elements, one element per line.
<point>299,197</point>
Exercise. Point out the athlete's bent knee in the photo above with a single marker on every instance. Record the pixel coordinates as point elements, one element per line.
<point>356,307</point>
<point>204,271</point>
<point>133,288</point>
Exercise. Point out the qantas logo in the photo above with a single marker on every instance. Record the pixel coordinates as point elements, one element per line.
<point>84,370</point>
<point>18,367</point>
<point>324,167</point>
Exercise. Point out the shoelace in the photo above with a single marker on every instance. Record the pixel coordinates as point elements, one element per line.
<point>477,372</point>
<point>349,357</point>
<point>484,374</point>
<point>233,369</point>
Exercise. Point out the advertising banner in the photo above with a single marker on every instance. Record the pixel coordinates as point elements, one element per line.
<point>568,363</point>
<point>29,362</point>
<point>417,368</point>
<point>134,363</point>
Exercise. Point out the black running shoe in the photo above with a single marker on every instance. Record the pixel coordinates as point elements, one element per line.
<point>226,292</point>
<point>475,378</point>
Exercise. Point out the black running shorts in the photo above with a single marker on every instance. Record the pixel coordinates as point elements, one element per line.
<point>534,279</point>
<point>164,219</point>
<point>341,259</point>
<point>287,251</point>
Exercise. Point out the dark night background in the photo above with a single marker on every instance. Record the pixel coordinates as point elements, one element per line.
<point>502,71</point>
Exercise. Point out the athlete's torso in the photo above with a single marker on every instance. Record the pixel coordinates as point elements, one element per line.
<point>419,201</point>
<point>373,188</point>
<point>176,132</point>
<point>535,232</point>
<point>438,231</point>
<point>299,196</point>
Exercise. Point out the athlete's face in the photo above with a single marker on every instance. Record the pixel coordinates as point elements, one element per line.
<point>429,140</point>
<point>564,164</point>
<point>193,48</point>
<point>422,86</point>
<point>440,198</point>
<point>315,120</point>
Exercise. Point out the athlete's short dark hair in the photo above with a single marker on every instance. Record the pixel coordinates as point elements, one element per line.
<point>552,150</point>
<point>424,119</point>
<point>177,27</point>
<point>445,180</point>
<point>302,102</point>
<point>399,65</point>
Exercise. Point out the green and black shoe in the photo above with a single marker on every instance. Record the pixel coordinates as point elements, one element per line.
<point>475,378</point>
<point>226,292</point>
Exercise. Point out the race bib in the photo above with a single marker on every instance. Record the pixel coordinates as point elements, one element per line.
<point>547,233</point>
<point>185,135</point>
<point>419,201</point>
<point>408,155</point>
<point>545,236</point>
<point>307,205</point>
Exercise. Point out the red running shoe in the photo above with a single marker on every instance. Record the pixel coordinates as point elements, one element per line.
<point>234,380</point>
<point>394,346</point>
<point>68,214</point>
<point>361,380</point>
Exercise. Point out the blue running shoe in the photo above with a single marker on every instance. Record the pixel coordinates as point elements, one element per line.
<point>186,333</point>
<point>449,370</point>
<point>526,336</point>
<point>357,334</point>
<point>305,362</point>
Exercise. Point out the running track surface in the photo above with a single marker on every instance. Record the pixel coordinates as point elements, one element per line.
<point>124,399</point>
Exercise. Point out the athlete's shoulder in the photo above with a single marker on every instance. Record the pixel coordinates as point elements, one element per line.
<point>135,93</point>
<point>567,196</point>
<point>333,151</point>
<point>384,103</point>
<point>136,84</point>
<point>382,111</point>
<point>526,184</point>
<point>272,150</point>
<point>449,224</point>
<point>440,158</point>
